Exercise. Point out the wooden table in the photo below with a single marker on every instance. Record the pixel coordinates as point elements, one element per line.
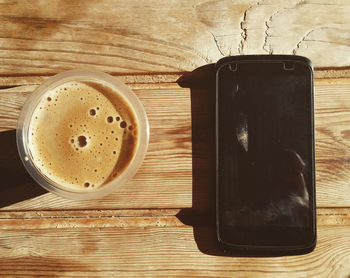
<point>159,224</point>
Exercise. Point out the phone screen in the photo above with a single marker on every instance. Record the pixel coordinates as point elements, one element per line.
<point>265,154</point>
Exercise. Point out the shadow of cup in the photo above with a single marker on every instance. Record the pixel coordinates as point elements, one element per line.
<point>16,184</point>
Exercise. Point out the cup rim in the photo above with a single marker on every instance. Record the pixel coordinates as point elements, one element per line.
<point>79,75</point>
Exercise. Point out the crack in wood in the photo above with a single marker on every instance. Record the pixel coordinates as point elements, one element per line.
<point>304,38</point>
<point>266,46</point>
<point>217,44</point>
<point>265,39</point>
<point>4,87</point>
<point>330,42</point>
<point>244,30</point>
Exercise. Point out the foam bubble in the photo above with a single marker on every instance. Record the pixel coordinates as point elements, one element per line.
<point>110,119</point>
<point>123,124</point>
<point>92,112</point>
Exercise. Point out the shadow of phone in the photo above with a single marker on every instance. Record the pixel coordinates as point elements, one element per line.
<point>201,216</point>
<point>290,202</point>
<point>16,184</point>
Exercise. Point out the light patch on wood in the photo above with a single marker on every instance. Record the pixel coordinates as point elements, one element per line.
<point>174,37</point>
<point>157,251</point>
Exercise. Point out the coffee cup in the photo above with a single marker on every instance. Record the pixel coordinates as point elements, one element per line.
<point>82,134</point>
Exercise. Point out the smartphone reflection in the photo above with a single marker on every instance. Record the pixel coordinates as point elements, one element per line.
<point>275,192</point>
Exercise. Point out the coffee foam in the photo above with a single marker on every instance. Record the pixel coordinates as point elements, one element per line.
<point>82,135</point>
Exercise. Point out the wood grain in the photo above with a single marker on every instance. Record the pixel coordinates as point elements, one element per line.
<point>162,247</point>
<point>165,179</point>
<point>332,120</point>
<point>162,36</point>
<point>141,218</point>
<point>159,224</point>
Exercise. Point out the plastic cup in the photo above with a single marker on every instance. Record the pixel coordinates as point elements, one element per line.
<point>118,87</point>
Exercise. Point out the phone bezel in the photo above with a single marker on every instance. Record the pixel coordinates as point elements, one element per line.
<point>270,249</point>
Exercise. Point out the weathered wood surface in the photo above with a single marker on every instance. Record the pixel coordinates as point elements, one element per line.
<point>110,244</point>
<point>159,224</point>
<point>37,37</point>
<point>170,184</point>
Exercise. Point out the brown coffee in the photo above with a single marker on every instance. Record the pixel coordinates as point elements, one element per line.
<point>82,135</point>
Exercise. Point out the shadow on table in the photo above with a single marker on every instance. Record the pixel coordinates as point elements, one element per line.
<point>201,216</point>
<point>16,184</point>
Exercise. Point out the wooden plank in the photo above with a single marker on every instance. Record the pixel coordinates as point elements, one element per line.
<point>187,177</point>
<point>133,249</point>
<point>332,124</point>
<point>153,36</point>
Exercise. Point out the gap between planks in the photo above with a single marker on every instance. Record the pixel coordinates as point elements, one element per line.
<point>134,218</point>
<point>152,78</point>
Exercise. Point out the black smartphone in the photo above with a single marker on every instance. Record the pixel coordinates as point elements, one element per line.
<point>265,167</point>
